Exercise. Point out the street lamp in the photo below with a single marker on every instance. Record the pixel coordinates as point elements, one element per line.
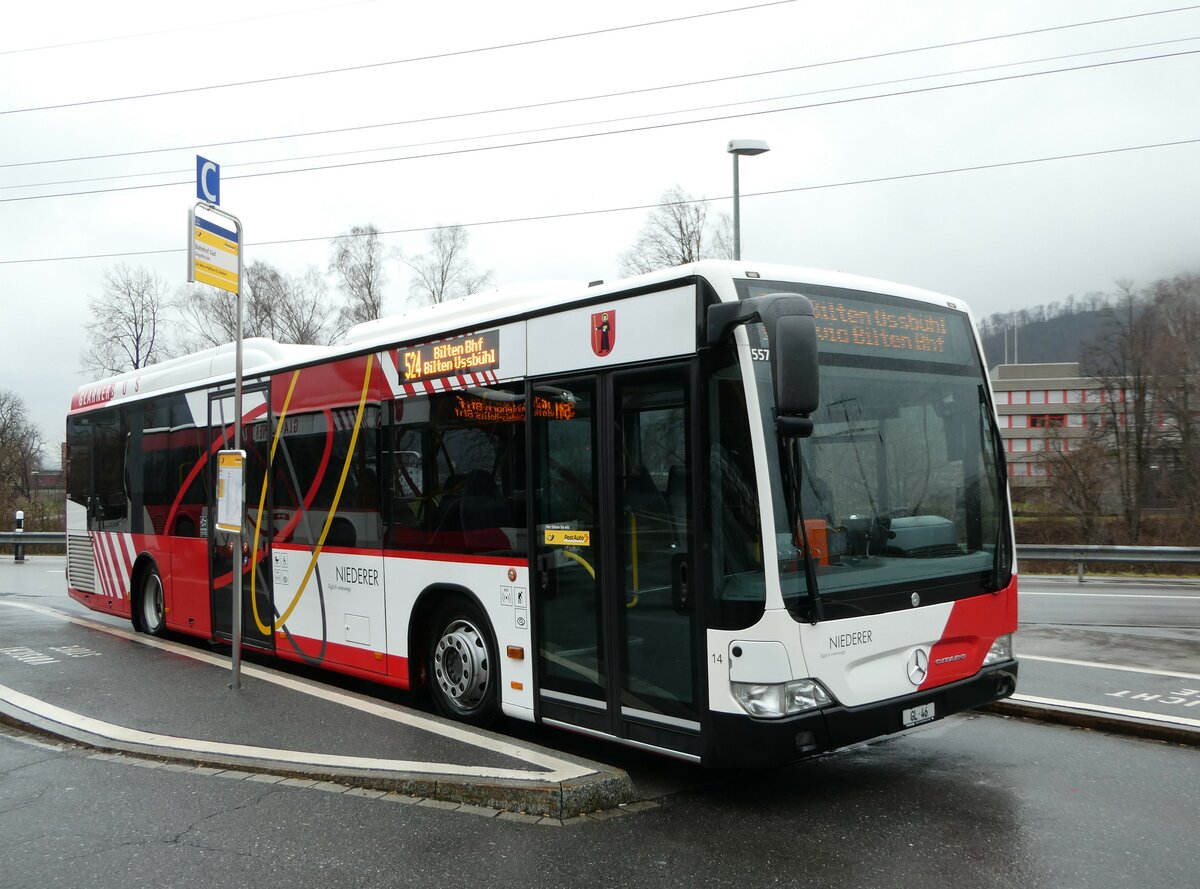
<point>738,147</point>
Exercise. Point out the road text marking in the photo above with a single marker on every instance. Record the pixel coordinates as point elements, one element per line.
<point>1115,711</point>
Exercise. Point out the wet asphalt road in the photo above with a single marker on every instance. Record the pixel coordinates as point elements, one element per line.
<point>972,801</point>
<point>979,801</point>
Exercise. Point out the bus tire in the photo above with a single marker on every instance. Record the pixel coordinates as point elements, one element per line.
<point>463,668</point>
<point>151,603</point>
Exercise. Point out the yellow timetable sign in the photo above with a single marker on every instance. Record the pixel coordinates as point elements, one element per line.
<point>567,537</point>
<point>214,255</point>
<point>231,475</point>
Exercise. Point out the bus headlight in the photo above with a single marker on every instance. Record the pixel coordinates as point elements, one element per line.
<point>777,699</point>
<point>1001,650</point>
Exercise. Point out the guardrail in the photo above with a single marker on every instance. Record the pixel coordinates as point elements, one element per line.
<point>33,538</point>
<point>1082,554</point>
<point>1026,552</point>
<point>19,540</point>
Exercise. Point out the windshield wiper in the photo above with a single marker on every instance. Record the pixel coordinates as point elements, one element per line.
<point>1000,562</point>
<point>793,465</point>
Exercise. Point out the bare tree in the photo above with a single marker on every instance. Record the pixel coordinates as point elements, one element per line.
<point>20,453</point>
<point>275,306</point>
<point>357,262</point>
<point>1121,360</point>
<point>207,317</point>
<point>305,315</point>
<point>1077,478</point>
<point>1176,380</point>
<point>128,326</point>
<point>445,272</point>
<point>676,232</point>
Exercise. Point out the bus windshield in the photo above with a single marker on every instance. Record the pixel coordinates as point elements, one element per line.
<point>900,487</point>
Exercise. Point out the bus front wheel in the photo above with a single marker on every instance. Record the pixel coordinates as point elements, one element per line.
<point>464,673</point>
<point>150,605</point>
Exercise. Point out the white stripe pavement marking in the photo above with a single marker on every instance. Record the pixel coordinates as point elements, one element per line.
<point>1116,711</point>
<point>133,736</point>
<point>559,770</point>
<point>1123,669</point>
<point>1106,595</point>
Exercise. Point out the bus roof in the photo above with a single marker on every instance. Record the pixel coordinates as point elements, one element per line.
<point>261,355</point>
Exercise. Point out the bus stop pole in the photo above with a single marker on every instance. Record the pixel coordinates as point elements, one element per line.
<point>235,578</point>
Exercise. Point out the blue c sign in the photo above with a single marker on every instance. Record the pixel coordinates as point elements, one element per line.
<point>208,181</point>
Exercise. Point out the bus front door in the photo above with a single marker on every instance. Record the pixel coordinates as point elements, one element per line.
<point>256,588</point>
<point>617,637</point>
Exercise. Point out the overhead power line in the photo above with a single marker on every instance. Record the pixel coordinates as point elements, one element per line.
<point>974,168</point>
<point>561,37</point>
<point>599,96</point>
<point>623,131</point>
<point>426,58</point>
<point>192,27</point>
<point>605,122</point>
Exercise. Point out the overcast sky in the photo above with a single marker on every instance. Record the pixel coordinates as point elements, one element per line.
<point>844,93</point>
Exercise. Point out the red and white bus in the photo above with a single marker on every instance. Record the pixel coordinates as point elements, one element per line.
<point>736,513</point>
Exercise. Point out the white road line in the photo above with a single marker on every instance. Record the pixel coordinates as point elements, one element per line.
<point>1116,711</point>
<point>193,745</point>
<point>558,769</point>
<point>1120,667</point>
<point>1107,595</point>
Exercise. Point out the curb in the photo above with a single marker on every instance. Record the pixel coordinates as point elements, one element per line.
<point>607,789</point>
<point>1137,728</point>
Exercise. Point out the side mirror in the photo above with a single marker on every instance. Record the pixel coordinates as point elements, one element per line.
<point>792,336</point>
<point>794,366</point>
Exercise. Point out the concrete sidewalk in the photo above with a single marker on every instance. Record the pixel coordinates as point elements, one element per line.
<point>173,702</point>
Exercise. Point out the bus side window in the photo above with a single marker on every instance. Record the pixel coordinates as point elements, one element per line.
<point>112,502</point>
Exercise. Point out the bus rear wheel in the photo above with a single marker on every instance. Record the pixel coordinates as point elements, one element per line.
<point>151,607</point>
<point>464,675</point>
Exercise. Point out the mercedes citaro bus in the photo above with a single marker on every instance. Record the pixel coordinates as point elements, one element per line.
<point>731,512</point>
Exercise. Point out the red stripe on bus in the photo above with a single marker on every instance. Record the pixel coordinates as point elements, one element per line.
<point>973,626</point>
<point>374,665</point>
<point>118,578</point>
<point>456,558</point>
<point>226,434</point>
<point>100,572</point>
<point>126,546</point>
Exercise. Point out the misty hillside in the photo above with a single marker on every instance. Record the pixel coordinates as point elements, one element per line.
<point>1038,342</point>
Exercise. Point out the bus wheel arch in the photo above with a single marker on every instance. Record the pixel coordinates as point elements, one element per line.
<point>148,607</point>
<point>452,646</point>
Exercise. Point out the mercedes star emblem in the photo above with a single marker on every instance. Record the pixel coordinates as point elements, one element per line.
<point>918,666</point>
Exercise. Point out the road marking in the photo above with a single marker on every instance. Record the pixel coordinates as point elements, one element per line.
<point>1123,669</point>
<point>557,769</point>
<point>29,656</point>
<point>1115,711</point>
<point>134,736</point>
<point>1108,595</point>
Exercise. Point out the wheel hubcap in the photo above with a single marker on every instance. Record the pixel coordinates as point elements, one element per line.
<point>460,665</point>
<point>152,602</point>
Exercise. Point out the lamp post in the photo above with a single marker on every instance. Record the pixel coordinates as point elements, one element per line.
<point>738,147</point>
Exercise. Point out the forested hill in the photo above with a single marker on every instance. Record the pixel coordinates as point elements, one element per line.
<point>1050,340</point>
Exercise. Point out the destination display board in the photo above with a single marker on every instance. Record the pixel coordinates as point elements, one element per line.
<point>886,327</point>
<point>452,357</point>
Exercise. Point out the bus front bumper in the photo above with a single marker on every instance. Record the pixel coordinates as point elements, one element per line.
<point>738,740</point>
